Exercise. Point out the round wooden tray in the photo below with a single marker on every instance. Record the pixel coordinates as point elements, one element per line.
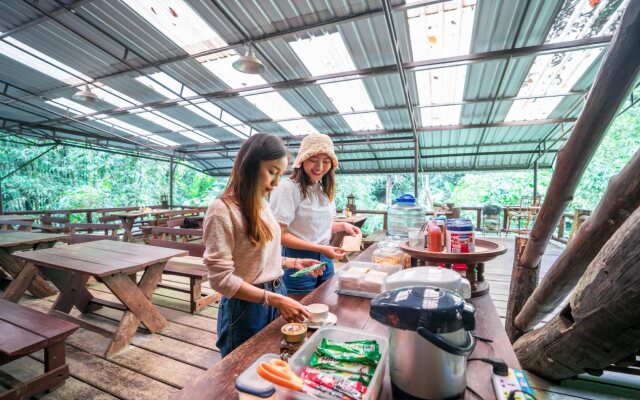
<point>485,250</point>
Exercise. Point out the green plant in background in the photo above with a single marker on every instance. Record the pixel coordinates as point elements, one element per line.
<point>491,209</point>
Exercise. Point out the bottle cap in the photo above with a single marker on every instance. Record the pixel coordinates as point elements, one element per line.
<point>293,332</point>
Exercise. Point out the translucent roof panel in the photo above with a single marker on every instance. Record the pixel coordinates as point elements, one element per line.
<point>550,74</point>
<point>165,85</point>
<point>324,54</point>
<point>443,115</point>
<point>276,107</point>
<point>40,62</point>
<point>213,113</point>
<point>180,23</point>
<point>583,19</point>
<point>441,30</point>
<point>441,86</point>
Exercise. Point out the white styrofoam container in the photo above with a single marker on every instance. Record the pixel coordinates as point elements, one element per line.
<point>389,269</point>
<point>302,357</point>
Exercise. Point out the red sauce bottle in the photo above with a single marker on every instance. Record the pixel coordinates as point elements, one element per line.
<point>435,238</point>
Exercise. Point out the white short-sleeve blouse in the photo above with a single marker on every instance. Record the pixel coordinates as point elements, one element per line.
<point>310,218</point>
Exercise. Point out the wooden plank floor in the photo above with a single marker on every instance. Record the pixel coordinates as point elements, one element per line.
<point>156,366</point>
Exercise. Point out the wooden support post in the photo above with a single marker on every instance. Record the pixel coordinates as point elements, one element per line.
<point>523,281</point>
<point>620,199</point>
<point>535,179</point>
<point>171,179</point>
<point>618,71</point>
<point>561,227</point>
<point>599,325</point>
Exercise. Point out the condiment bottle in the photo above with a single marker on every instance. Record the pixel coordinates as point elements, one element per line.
<point>293,336</point>
<point>435,238</point>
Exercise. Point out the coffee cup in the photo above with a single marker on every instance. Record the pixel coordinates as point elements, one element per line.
<point>318,312</point>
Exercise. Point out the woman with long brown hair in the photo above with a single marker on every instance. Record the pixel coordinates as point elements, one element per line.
<point>243,253</point>
<point>303,206</point>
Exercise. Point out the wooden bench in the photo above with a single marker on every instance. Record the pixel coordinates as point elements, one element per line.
<point>24,331</point>
<point>190,267</point>
<point>24,226</point>
<point>167,233</point>
<point>52,224</point>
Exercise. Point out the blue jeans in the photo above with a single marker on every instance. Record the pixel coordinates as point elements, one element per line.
<point>239,320</point>
<point>305,284</point>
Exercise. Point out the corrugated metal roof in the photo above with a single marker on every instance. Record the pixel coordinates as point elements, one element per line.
<point>109,42</point>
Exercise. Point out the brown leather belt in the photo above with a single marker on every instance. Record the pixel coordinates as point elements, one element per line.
<point>274,283</point>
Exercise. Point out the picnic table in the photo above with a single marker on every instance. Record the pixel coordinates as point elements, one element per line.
<point>129,218</point>
<point>13,241</point>
<point>116,264</point>
<point>353,312</point>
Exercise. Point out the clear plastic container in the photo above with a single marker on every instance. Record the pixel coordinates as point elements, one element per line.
<point>302,358</point>
<point>352,282</point>
<point>405,215</point>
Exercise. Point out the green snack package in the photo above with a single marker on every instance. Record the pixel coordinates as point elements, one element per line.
<point>365,351</point>
<point>325,362</point>
<point>307,270</point>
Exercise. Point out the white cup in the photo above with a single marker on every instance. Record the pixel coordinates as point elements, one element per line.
<point>318,312</point>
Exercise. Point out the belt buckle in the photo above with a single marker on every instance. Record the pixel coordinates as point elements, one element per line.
<point>276,283</point>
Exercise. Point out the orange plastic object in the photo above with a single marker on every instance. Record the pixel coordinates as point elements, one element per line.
<point>435,238</point>
<point>279,372</point>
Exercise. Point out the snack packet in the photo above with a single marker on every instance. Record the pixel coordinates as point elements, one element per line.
<point>325,362</point>
<point>364,351</point>
<point>353,389</point>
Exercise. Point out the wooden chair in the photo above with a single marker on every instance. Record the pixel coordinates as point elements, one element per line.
<point>24,226</point>
<point>190,267</point>
<point>24,331</point>
<point>526,211</point>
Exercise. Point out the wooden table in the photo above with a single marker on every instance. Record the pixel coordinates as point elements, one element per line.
<point>116,264</point>
<point>218,381</point>
<point>129,218</point>
<point>19,241</point>
<point>486,250</point>
<point>357,220</point>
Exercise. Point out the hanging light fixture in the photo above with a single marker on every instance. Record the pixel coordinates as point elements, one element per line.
<point>86,95</point>
<point>249,63</point>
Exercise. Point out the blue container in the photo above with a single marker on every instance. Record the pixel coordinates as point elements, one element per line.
<point>404,216</point>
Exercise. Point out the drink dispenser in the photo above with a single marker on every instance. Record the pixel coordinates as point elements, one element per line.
<point>429,341</point>
<point>404,216</point>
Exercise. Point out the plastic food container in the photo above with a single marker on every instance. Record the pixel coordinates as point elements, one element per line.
<point>251,386</point>
<point>302,357</point>
<point>354,281</point>
<point>461,237</point>
<point>405,215</point>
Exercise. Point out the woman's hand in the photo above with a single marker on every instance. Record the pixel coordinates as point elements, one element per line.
<point>334,253</point>
<point>290,309</point>
<point>302,263</point>
<point>350,229</point>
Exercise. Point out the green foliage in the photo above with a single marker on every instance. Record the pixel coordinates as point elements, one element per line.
<point>491,209</point>
<point>70,177</point>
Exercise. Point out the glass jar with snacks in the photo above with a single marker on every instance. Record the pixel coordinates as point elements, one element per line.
<point>388,253</point>
<point>293,336</point>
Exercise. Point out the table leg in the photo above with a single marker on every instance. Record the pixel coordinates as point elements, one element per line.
<point>127,224</point>
<point>20,283</point>
<point>139,307</point>
<point>73,291</point>
<point>471,276</point>
<point>37,286</point>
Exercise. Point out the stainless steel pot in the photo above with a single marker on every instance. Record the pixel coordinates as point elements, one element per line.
<point>429,341</point>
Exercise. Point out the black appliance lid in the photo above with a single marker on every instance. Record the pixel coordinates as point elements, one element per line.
<point>439,310</point>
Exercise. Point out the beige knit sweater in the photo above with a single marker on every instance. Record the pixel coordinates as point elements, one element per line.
<point>230,256</point>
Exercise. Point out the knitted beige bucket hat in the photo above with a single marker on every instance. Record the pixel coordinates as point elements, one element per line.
<point>313,144</point>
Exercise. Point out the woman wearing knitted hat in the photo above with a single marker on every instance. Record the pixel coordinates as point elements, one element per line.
<point>303,206</point>
<point>242,240</point>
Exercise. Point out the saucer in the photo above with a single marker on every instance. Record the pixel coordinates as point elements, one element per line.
<point>331,320</point>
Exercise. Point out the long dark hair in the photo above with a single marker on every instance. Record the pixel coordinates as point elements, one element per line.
<point>328,181</point>
<point>243,188</point>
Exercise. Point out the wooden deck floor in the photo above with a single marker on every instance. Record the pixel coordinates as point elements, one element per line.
<point>156,366</point>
